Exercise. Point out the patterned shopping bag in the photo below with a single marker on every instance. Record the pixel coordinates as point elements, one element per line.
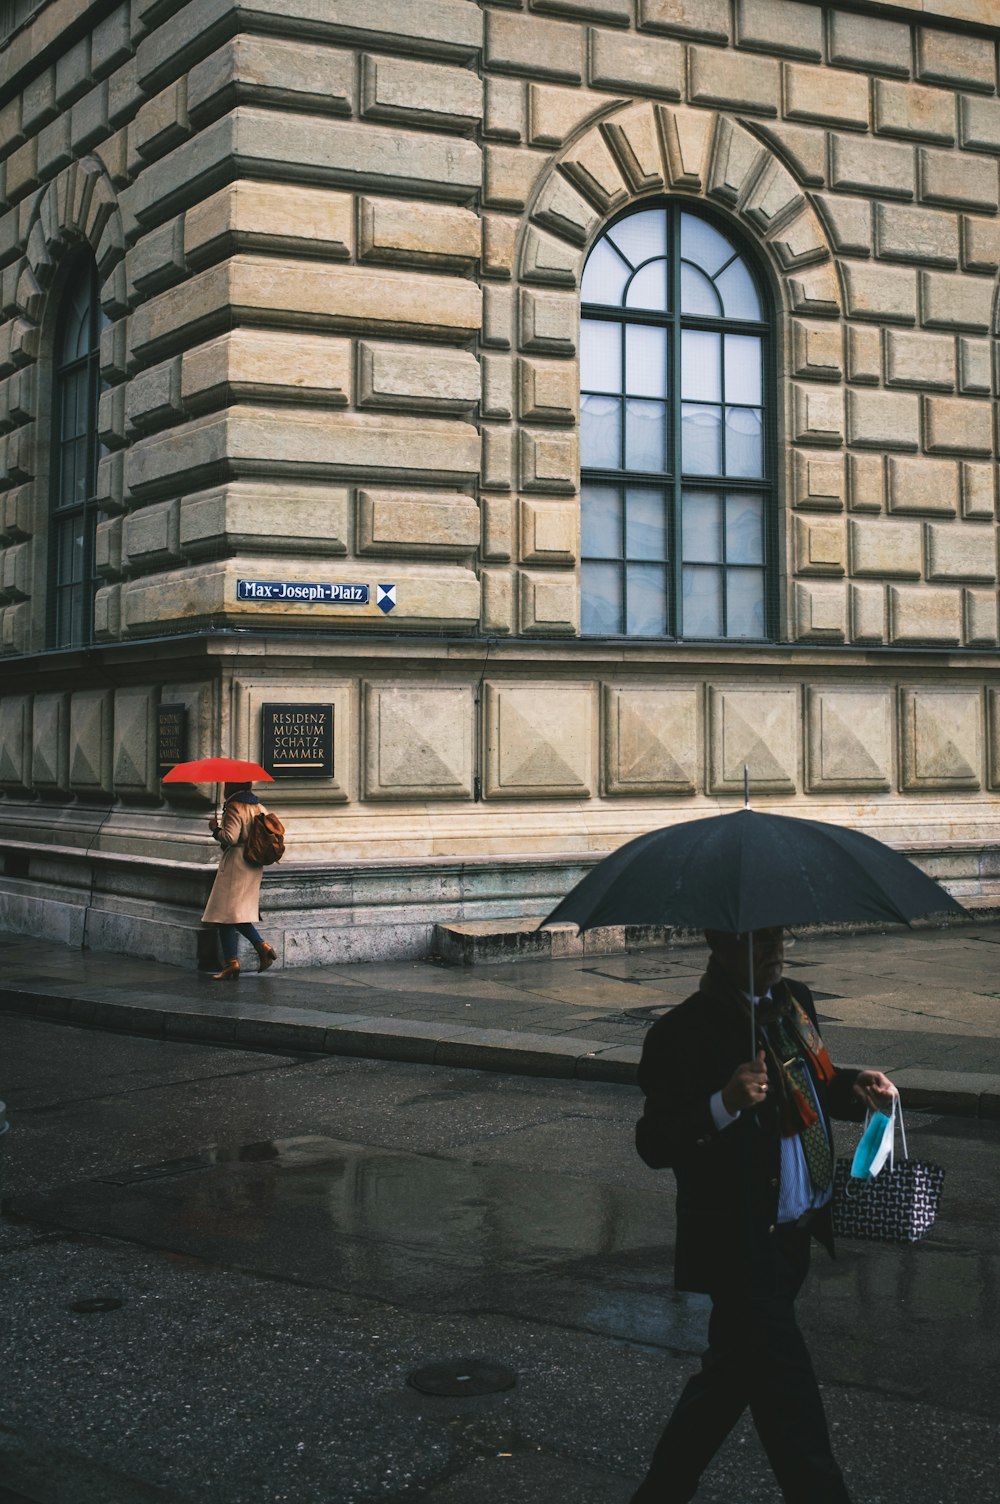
<point>898,1205</point>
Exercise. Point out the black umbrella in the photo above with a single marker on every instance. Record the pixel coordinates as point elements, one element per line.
<point>749,871</point>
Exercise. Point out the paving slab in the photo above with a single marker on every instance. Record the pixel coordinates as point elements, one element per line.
<point>923,1004</point>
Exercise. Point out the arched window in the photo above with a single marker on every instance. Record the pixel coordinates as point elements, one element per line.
<point>75,453</point>
<point>676,460</point>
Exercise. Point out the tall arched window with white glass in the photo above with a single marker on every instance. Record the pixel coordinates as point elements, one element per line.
<point>676,457</point>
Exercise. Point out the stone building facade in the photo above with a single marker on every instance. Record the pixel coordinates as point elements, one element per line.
<point>291,296</point>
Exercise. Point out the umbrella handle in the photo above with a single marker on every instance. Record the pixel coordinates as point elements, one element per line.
<point>753,1005</point>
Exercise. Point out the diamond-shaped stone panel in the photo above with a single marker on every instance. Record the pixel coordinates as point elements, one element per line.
<point>941,739</point>
<point>652,740</point>
<point>90,720</point>
<point>134,769</point>
<point>849,739</point>
<point>15,740</point>
<point>539,741</point>
<point>50,743</point>
<point>418,741</point>
<point>758,728</point>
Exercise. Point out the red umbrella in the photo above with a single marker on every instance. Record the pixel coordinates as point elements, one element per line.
<point>217,770</point>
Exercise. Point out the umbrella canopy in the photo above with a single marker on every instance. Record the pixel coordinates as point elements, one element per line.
<point>750,871</point>
<point>217,770</point>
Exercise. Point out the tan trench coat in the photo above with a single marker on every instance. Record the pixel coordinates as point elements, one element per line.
<point>235,895</point>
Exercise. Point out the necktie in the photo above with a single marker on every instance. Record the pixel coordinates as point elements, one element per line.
<point>815,1144</point>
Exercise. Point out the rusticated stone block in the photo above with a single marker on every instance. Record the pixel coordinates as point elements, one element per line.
<point>247,216</point>
<point>257,364</point>
<point>111,41</point>
<point>22,170</point>
<point>152,535</point>
<point>975,374</point>
<point>734,81</point>
<point>499,249</point>
<point>951,178</point>
<point>864,354</point>
<point>884,169</point>
<point>924,613</point>
<point>652,739</point>
<point>395,88</point>
<point>394,231</point>
<point>961,551</point>
<point>88,119</point>
<point>757,728</point>
<point>510,174</point>
<point>820,612</point>
<point>688,138</point>
<point>549,460</point>
<point>923,485</point>
<point>110,416</point>
<point>848,222</point>
<point>883,420</point>
<point>801,242</point>
<point>929,236</point>
<point>50,743</point>
<point>134,768</point>
<point>864,41</point>
<point>15,572</point>
<point>941,737</point>
<point>548,322</point>
<point>498,386</point>
<point>913,112</point>
<point>593,167</point>
<point>498,528</point>
<point>819,415</point>
<point>497,467</point>
<point>498,601</point>
<point>265,516</point>
<point>979,123</point>
<point>775,203</point>
<point>957,425</point>
<point>868,613</point>
<point>548,604</point>
<point>247,440</point>
<point>90,741</point>
<point>686,18</point>
<point>565,211</point>
<point>817,351</point>
<point>161,124</point>
<point>55,147</point>
<point>953,57</point>
<point>887,295</point>
<point>39,104</point>
<point>417,377</point>
<point>780,26</point>
<point>417,523</point>
<point>158,260</point>
<point>849,739</point>
<point>15,742</point>
<point>549,532</point>
<point>634,137</point>
<point>978,490</point>
<point>736,160</point>
<point>271,71</point>
<point>889,550</point>
<point>548,391</point>
<point>820,547</point>
<point>980,244</point>
<point>640,64</point>
<point>821,95</point>
<point>555,113</point>
<point>533,47</point>
<point>955,302</point>
<point>108,548</point>
<point>818,480</point>
<point>919,360</point>
<point>539,757</point>
<point>505,109</point>
<point>153,397</point>
<point>617,12</point>
<point>980,618</point>
<point>418,741</point>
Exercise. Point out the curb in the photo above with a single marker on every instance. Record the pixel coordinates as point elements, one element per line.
<point>455,1046</point>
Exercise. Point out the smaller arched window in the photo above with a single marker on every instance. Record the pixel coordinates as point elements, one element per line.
<point>677,466</point>
<point>75,454</point>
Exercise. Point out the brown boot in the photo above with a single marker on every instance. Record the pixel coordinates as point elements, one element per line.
<point>229,973</point>
<point>267,955</point>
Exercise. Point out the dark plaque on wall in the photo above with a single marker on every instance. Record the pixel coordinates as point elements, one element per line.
<point>297,740</point>
<point>171,736</point>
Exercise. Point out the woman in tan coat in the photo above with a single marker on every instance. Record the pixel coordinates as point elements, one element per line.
<point>234,902</point>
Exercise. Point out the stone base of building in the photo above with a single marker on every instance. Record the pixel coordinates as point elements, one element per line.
<point>324,914</point>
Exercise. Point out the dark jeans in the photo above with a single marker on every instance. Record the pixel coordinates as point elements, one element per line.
<point>756,1356</point>
<point>230,945</point>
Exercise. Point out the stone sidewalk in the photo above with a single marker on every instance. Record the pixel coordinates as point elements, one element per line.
<point>923,1005</point>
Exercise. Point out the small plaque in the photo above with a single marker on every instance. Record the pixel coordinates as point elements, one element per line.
<point>297,740</point>
<point>171,736</point>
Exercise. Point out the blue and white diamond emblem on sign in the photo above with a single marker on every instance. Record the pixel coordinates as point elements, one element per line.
<point>385,597</point>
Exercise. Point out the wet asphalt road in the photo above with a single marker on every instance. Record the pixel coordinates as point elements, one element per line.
<point>283,1240</point>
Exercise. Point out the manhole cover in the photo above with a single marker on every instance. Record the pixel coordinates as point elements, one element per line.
<point>467,1376</point>
<point>96,1303</point>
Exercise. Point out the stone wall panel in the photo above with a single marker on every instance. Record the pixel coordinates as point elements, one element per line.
<point>416,522</point>
<point>254,690</point>
<point>941,739</point>
<point>850,739</point>
<point>925,615</point>
<point>652,740</point>
<point>15,742</point>
<point>532,756</point>
<point>759,728</point>
<point>418,741</point>
<point>134,750</point>
<point>91,727</point>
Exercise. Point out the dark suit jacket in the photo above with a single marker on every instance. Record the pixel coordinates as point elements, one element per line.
<point>727,1182</point>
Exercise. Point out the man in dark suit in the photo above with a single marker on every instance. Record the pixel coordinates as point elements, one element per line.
<point>749,1142</point>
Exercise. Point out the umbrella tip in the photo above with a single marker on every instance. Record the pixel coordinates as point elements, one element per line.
<point>746,786</point>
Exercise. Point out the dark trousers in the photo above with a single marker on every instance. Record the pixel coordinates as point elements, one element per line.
<point>230,944</point>
<point>756,1356</point>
